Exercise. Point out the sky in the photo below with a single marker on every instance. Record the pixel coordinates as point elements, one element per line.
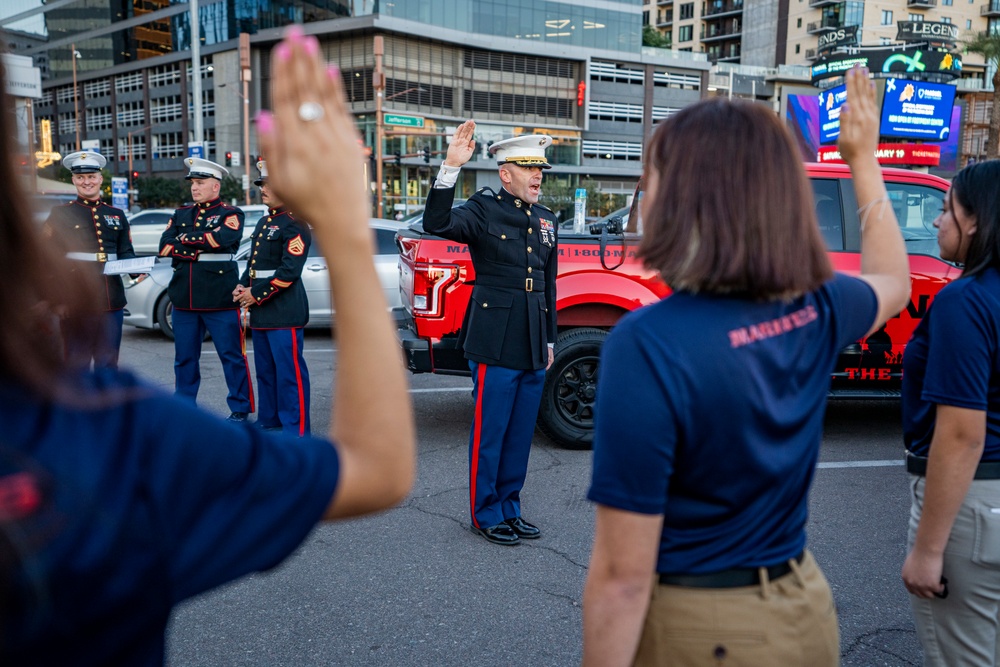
<point>35,24</point>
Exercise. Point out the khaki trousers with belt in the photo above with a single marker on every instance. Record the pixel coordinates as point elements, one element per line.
<point>788,622</point>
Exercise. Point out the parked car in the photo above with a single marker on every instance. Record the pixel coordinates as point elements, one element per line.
<point>149,306</point>
<point>147,226</point>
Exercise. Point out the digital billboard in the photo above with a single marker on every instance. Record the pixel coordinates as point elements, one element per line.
<point>889,61</point>
<point>916,110</point>
<point>830,102</point>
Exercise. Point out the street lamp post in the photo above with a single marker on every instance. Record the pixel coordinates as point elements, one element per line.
<point>245,77</point>
<point>378,83</point>
<point>76,96</point>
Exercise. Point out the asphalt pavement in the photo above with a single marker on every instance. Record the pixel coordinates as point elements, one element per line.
<point>413,586</point>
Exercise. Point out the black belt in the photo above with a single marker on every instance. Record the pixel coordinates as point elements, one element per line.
<point>529,284</point>
<point>917,465</point>
<point>734,578</point>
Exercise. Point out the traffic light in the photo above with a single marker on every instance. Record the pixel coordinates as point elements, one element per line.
<point>427,154</point>
<point>135,177</point>
<point>399,159</point>
<point>229,158</point>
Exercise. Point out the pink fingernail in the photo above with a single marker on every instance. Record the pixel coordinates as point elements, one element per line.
<point>294,33</point>
<point>311,45</point>
<point>283,51</point>
<point>333,72</point>
<point>265,122</point>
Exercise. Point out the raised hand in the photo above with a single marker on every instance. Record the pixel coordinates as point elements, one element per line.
<point>462,145</point>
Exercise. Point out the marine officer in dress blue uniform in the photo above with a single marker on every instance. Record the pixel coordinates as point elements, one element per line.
<point>201,240</point>
<point>271,290</point>
<point>510,325</point>
<point>94,233</point>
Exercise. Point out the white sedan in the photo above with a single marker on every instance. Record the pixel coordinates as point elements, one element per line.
<point>149,306</point>
<point>147,226</point>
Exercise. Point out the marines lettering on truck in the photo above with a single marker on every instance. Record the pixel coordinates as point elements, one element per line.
<point>592,294</point>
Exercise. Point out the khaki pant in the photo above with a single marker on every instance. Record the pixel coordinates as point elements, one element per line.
<point>961,630</point>
<point>787,622</point>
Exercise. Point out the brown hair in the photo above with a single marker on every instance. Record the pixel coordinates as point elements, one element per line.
<point>732,209</point>
<point>45,296</point>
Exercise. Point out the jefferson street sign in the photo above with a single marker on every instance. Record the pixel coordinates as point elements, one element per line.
<point>403,121</point>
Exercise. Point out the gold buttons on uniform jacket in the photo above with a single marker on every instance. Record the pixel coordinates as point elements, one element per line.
<point>503,236</point>
<point>529,230</point>
<point>529,269</point>
<point>529,248</point>
<point>485,305</point>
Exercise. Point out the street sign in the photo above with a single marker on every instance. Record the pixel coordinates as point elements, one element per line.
<point>246,182</point>
<point>196,149</point>
<point>236,158</point>
<point>119,192</point>
<point>91,145</point>
<point>403,121</point>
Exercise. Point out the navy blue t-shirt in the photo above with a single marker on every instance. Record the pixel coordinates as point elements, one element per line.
<point>710,412</point>
<point>148,501</point>
<point>953,359</point>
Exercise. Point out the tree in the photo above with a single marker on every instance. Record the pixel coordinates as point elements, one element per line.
<point>653,37</point>
<point>231,189</point>
<point>988,46</point>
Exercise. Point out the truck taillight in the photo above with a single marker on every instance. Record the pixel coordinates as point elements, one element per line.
<point>429,283</point>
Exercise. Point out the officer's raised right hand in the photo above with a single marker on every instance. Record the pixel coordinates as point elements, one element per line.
<point>462,145</point>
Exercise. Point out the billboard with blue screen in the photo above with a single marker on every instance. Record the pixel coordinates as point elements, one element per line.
<point>917,110</point>
<point>830,102</point>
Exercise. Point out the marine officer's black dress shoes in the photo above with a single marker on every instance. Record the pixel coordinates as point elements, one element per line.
<point>498,534</point>
<point>237,417</point>
<point>523,529</point>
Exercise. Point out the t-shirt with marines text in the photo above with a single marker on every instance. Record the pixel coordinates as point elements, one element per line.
<point>710,411</point>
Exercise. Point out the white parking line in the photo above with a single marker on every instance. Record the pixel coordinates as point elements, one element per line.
<point>861,464</point>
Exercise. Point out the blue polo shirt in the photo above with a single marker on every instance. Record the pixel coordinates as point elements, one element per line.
<point>953,359</point>
<point>145,501</point>
<point>710,412</point>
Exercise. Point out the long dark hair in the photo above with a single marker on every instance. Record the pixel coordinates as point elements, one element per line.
<point>732,208</point>
<point>977,189</point>
<point>44,296</point>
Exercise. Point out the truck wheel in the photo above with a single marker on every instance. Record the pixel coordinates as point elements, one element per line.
<point>568,399</point>
<point>165,316</point>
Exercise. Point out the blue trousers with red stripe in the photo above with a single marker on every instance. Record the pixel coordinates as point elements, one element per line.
<point>507,403</point>
<point>189,332</point>
<point>104,352</point>
<point>282,380</point>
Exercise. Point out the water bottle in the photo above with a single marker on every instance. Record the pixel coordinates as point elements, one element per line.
<point>580,211</point>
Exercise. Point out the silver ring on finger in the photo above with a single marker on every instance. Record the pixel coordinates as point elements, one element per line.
<point>310,111</point>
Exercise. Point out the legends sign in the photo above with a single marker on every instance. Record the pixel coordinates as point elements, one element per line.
<point>926,31</point>
<point>846,36</point>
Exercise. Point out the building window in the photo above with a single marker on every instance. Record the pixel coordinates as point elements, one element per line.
<point>916,17</point>
<point>613,150</point>
<point>798,48</point>
<point>886,17</point>
<point>968,24</point>
<point>685,33</point>
<point>945,19</point>
<point>884,41</point>
<point>948,3</point>
<point>687,11</point>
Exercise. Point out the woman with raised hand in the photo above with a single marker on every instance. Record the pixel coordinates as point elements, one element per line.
<point>951,428</point>
<point>710,407</point>
<point>118,501</point>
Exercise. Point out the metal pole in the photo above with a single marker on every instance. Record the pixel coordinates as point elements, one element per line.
<point>199,130</point>
<point>33,171</point>
<point>76,96</point>
<point>245,76</point>
<point>378,82</point>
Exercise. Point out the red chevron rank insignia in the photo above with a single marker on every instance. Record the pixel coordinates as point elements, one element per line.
<point>232,222</point>
<point>297,246</point>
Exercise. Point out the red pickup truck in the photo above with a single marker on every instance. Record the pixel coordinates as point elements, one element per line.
<point>592,295</point>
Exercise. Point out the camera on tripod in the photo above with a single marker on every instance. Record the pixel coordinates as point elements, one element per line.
<point>614,225</point>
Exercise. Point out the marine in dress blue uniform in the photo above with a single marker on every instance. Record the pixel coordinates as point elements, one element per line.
<point>510,324</point>
<point>94,233</point>
<point>271,289</point>
<point>201,240</point>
